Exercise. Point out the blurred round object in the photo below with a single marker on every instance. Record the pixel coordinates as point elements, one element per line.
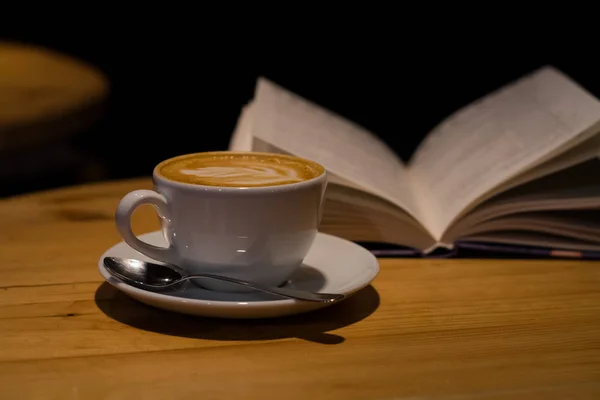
<point>45,96</point>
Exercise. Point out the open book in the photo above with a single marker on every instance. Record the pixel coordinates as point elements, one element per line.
<point>517,167</point>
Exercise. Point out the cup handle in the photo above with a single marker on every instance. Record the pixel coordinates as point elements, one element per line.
<point>127,206</point>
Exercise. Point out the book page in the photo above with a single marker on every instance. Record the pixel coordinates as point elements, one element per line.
<point>543,240</point>
<point>572,188</point>
<point>564,181</point>
<point>349,151</point>
<point>496,138</point>
<point>242,140</point>
<point>356,215</point>
<point>580,224</point>
<point>583,152</point>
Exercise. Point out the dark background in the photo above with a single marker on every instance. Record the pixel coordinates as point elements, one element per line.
<point>178,90</point>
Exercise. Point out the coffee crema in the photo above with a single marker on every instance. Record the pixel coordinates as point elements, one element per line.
<point>239,169</point>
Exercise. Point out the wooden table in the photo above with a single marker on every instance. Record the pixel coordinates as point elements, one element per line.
<point>45,96</point>
<point>425,329</point>
<point>47,99</point>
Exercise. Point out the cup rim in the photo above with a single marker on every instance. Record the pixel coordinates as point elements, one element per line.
<point>239,189</point>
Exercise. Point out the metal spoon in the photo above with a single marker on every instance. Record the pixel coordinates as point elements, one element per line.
<point>147,275</point>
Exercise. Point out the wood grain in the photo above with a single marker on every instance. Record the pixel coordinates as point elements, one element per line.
<point>425,329</point>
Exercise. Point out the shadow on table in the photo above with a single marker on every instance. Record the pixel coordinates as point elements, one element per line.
<point>312,326</point>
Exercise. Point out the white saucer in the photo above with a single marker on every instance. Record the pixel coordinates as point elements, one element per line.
<point>332,265</point>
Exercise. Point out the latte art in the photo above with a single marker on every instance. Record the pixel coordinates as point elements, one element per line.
<point>239,176</point>
<point>241,169</point>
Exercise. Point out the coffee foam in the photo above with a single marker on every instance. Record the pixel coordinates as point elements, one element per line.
<point>239,169</point>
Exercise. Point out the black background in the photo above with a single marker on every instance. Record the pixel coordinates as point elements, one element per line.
<point>179,77</point>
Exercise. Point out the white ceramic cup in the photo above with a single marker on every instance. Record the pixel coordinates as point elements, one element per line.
<point>260,234</point>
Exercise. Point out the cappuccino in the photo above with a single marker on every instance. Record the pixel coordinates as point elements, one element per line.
<point>238,169</point>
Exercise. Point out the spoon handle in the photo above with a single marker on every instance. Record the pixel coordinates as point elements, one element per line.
<point>285,292</point>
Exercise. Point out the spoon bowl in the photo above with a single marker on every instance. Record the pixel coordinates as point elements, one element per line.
<point>156,277</point>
